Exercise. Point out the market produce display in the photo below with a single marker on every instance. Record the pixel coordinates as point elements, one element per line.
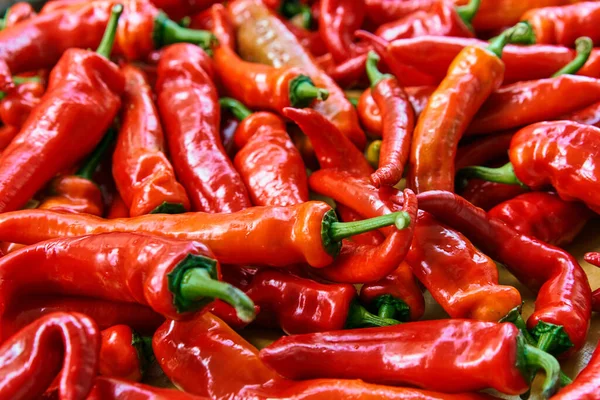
<point>299,199</point>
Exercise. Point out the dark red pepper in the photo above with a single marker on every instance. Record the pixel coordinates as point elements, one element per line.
<point>338,20</point>
<point>486,195</point>
<point>117,389</point>
<point>123,353</point>
<point>484,150</point>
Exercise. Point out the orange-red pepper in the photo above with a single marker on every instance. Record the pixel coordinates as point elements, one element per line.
<point>189,108</point>
<point>143,175</point>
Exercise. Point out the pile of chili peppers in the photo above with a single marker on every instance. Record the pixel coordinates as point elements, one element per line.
<point>175,174</point>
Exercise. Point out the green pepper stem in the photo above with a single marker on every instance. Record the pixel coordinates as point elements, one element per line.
<point>535,359</point>
<point>143,348</point>
<point>197,284</point>
<point>514,316</point>
<point>468,11</point>
<point>106,44</point>
<point>564,379</point>
<point>358,317</point>
<point>167,31</point>
<point>342,230</point>
<point>88,168</point>
<point>373,152</point>
<point>238,110</point>
<point>520,33</point>
<point>504,174</point>
<point>584,46</point>
<point>375,76</point>
<point>291,8</point>
<point>392,307</point>
<point>303,91</point>
<point>169,208</point>
<point>353,101</point>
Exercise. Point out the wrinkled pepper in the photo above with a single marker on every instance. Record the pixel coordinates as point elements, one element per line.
<point>123,353</point>
<point>189,109</point>
<point>144,177</point>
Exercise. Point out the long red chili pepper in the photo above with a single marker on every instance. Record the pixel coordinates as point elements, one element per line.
<point>40,41</point>
<point>332,148</point>
<point>383,11</point>
<point>398,122</point>
<point>263,38</point>
<point>543,216</point>
<point>484,150</point>
<point>560,154</point>
<point>104,313</point>
<point>441,19</point>
<point>269,163</point>
<point>338,19</point>
<point>258,85</point>
<point>119,389</point>
<point>191,124</point>
<point>83,86</point>
<point>589,115</point>
<point>143,175</point>
<point>487,195</point>
<point>16,13</point>
<point>563,24</point>
<point>395,296</point>
<point>57,343</point>
<point>563,305</point>
<point>594,259</point>
<point>586,385</point>
<point>519,104</point>
<point>16,105</point>
<point>173,277</point>
<point>178,9</point>
<point>308,232</point>
<point>491,355</point>
<point>473,75</point>
<point>123,353</point>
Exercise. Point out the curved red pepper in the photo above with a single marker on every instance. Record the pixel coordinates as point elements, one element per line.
<point>57,343</point>
<point>338,19</point>
<point>122,354</point>
<point>586,385</point>
<point>563,305</point>
<point>543,216</point>
<point>589,115</point>
<point>487,195</point>
<point>484,150</point>
<point>594,259</point>
<point>143,175</point>
<point>189,108</point>
<point>178,9</point>
<point>117,389</point>
<point>16,106</point>
<point>16,13</point>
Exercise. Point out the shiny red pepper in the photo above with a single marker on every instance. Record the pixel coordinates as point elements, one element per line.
<point>483,150</point>
<point>16,106</point>
<point>565,23</point>
<point>189,109</point>
<point>338,20</point>
<point>589,115</point>
<point>57,343</point>
<point>258,85</point>
<point>586,384</point>
<point>143,175</point>
<point>441,19</point>
<point>83,86</point>
<point>7,134</point>
<point>123,353</point>
<point>490,355</point>
<point>486,195</point>
<point>269,163</point>
<point>309,39</point>
<point>16,13</point>
<point>563,304</point>
<point>543,216</point>
<point>118,389</point>
<point>382,11</point>
<point>594,259</point>
<point>118,208</point>
<point>173,277</point>
<point>178,9</point>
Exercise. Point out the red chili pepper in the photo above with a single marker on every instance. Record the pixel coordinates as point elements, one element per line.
<point>117,389</point>
<point>189,108</point>
<point>16,13</point>
<point>258,85</point>
<point>16,105</point>
<point>486,195</point>
<point>123,353</point>
<point>563,305</point>
<point>173,277</point>
<point>565,23</point>
<point>592,66</point>
<point>269,163</point>
<point>118,208</point>
<point>594,259</point>
<point>104,313</point>
<point>558,153</point>
<point>52,140</point>
<point>484,150</point>
<point>347,74</point>
<point>432,55</point>
<point>373,238</point>
<point>178,9</point>
<point>382,11</point>
<point>390,295</point>
<point>338,20</point>
<point>7,134</point>
<point>332,148</point>
<point>441,19</point>
<point>473,75</point>
<point>57,343</point>
<point>263,38</point>
<point>398,122</point>
<point>596,300</point>
<point>228,314</point>
<point>543,216</point>
<point>491,355</point>
<point>309,233</point>
<point>310,40</point>
<point>40,41</point>
<point>589,115</point>
<point>143,175</point>
<point>586,385</point>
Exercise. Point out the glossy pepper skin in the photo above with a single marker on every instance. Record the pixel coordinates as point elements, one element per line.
<point>74,194</point>
<point>256,85</point>
<point>57,343</point>
<point>585,385</point>
<point>273,44</point>
<point>7,134</point>
<point>473,75</point>
<point>383,11</point>
<point>16,13</point>
<point>16,106</point>
<point>309,231</point>
<point>565,23</point>
<point>82,86</point>
<point>118,389</point>
<point>189,108</point>
<point>487,195</point>
<point>594,259</point>
<point>484,150</point>
<point>487,358</point>
<point>589,115</point>
<point>544,216</point>
<point>268,162</point>
<point>143,175</point>
<point>398,123</point>
<point>117,208</point>
<point>400,284</point>
<point>122,354</point>
<point>338,20</point>
<point>563,292</point>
